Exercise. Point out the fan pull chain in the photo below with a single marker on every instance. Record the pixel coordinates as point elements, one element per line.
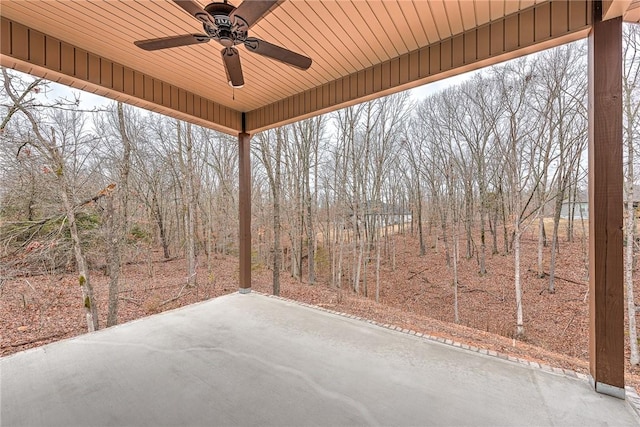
<point>233,93</point>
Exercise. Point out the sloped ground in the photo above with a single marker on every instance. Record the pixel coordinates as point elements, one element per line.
<point>418,295</point>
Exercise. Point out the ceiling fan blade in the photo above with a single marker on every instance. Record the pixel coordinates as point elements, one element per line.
<point>278,53</point>
<point>231,59</point>
<point>251,11</point>
<point>171,41</point>
<point>195,10</point>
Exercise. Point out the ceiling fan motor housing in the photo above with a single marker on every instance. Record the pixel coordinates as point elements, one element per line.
<point>228,32</point>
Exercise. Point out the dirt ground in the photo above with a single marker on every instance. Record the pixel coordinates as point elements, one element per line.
<point>417,295</point>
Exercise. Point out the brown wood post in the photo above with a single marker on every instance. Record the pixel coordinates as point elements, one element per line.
<point>606,303</point>
<point>244,202</point>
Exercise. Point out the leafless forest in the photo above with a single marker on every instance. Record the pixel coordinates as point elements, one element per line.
<point>488,176</point>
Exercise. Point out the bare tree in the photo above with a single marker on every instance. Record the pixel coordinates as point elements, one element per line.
<point>115,128</point>
<point>269,152</point>
<point>187,168</point>
<point>631,106</point>
<point>350,162</point>
<point>412,149</point>
<point>65,137</point>
<point>563,82</point>
<point>518,148</point>
<point>307,135</point>
<point>476,115</point>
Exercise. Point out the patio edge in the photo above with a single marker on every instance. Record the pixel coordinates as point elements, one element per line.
<point>631,395</point>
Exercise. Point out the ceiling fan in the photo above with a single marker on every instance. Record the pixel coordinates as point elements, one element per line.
<point>229,26</point>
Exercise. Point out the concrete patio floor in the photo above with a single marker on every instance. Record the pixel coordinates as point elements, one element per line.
<point>256,360</point>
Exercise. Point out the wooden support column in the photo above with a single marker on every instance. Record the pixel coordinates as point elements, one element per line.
<point>244,237</point>
<point>606,303</point>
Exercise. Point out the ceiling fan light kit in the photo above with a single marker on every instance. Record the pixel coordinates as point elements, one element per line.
<point>229,26</point>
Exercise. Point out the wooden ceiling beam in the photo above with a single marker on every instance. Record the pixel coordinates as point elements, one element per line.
<point>614,8</point>
<point>30,51</point>
<point>539,27</point>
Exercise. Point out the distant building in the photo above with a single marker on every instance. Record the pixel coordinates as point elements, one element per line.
<point>580,210</point>
<point>395,214</point>
<point>580,207</point>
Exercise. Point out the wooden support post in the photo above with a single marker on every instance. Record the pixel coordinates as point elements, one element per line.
<point>244,237</point>
<point>606,300</point>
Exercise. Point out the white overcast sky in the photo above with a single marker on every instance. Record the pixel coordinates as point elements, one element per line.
<point>89,100</point>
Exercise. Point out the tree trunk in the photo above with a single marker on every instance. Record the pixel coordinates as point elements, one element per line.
<point>191,212</point>
<point>483,243</point>
<point>541,244</point>
<point>378,268</point>
<point>494,233</point>
<point>503,210</point>
<point>554,241</point>
<point>445,240</point>
<point>365,271</point>
<point>468,221</point>
<point>90,308</point>
<point>358,261</point>
<point>573,194</point>
<point>456,314</point>
<point>277,250</point>
<point>340,253</point>
<point>518,285</point>
<point>189,205</point>
<point>113,260</point>
<point>209,239</point>
<point>356,264</point>
<point>393,253</point>
<point>423,249</point>
<point>311,240</point>
<point>159,218</point>
<point>634,358</point>
<point>118,220</point>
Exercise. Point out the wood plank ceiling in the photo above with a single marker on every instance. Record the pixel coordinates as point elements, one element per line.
<point>360,49</point>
